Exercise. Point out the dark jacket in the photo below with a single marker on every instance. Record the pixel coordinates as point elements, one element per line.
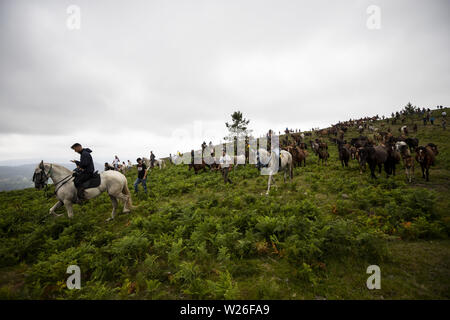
<point>86,162</point>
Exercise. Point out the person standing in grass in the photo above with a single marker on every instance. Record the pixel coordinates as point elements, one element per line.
<point>116,162</point>
<point>152,159</point>
<point>142,175</point>
<point>225,163</point>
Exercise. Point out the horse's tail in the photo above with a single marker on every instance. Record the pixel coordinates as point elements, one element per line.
<point>126,191</point>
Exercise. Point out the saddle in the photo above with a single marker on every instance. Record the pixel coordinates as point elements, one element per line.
<point>93,182</point>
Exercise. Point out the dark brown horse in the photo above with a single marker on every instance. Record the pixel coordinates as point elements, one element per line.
<point>344,153</point>
<point>199,166</point>
<point>393,159</point>
<point>412,143</point>
<point>373,156</point>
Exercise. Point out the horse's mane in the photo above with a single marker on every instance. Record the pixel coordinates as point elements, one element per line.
<point>54,165</point>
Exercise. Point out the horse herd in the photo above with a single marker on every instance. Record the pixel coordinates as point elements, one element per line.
<point>388,153</point>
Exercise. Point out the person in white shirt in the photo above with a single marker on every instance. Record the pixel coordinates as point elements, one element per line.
<point>225,166</point>
<point>116,162</point>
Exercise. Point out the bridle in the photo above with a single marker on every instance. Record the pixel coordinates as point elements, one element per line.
<point>64,180</point>
<point>41,178</point>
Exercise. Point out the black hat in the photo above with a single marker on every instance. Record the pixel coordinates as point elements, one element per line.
<point>75,145</point>
<point>138,159</point>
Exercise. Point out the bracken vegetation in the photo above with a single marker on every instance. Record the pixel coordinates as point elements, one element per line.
<point>192,237</point>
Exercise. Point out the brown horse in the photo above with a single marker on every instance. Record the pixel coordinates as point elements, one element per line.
<point>426,156</point>
<point>353,151</point>
<point>298,155</point>
<point>314,146</point>
<point>199,166</point>
<point>323,153</point>
<point>408,160</point>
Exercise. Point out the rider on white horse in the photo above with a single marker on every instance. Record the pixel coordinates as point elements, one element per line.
<point>85,168</point>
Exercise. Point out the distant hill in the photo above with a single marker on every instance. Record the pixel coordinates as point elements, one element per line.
<point>19,177</point>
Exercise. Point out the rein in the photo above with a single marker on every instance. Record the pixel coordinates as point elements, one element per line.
<point>65,181</point>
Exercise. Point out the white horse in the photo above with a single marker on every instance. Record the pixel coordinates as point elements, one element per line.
<point>160,163</point>
<point>112,182</point>
<point>272,160</point>
<point>157,162</point>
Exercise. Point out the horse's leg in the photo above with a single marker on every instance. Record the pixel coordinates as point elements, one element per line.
<point>68,205</point>
<point>372,171</point>
<point>268,183</point>
<point>114,205</point>
<point>124,198</point>
<point>428,173</point>
<point>56,206</point>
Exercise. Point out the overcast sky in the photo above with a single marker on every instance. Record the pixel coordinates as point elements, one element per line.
<point>166,75</point>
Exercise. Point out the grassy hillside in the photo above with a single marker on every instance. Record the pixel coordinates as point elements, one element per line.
<point>194,237</point>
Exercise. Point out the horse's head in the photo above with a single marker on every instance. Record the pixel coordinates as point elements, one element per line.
<point>434,148</point>
<point>289,149</point>
<point>40,177</point>
<point>420,154</point>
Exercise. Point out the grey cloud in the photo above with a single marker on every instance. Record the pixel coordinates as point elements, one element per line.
<point>157,66</point>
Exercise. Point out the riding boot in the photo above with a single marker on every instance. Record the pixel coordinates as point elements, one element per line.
<point>80,195</point>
